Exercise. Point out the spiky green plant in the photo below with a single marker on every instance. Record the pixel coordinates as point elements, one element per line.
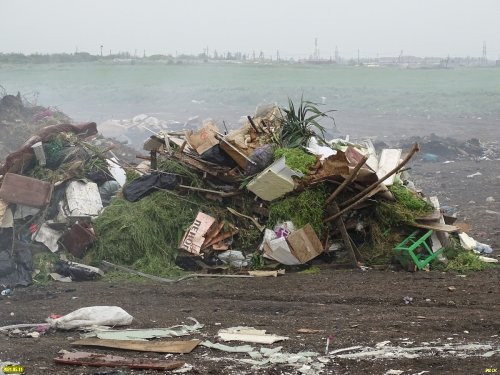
<point>301,123</point>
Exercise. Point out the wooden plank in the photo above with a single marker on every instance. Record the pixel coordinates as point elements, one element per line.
<point>345,236</point>
<point>434,216</point>
<point>106,360</point>
<point>438,227</point>
<point>180,347</point>
<point>348,180</point>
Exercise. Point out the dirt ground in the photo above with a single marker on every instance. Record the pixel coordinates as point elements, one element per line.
<point>353,307</point>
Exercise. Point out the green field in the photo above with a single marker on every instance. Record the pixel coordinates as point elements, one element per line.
<point>99,91</point>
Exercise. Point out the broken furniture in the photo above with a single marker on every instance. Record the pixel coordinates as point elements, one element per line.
<point>415,247</point>
<point>24,190</point>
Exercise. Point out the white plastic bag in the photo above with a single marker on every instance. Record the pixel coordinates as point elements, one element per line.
<point>93,316</point>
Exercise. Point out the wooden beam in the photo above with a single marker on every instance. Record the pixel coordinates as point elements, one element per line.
<point>178,347</point>
<point>347,181</point>
<point>345,236</point>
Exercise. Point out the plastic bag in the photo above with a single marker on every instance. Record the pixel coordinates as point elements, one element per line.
<point>263,157</point>
<point>147,184</point>
<point>92,316</point>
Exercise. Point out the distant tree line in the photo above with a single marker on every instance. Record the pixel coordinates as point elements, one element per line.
<point>38,58</point>
<point>214,56</point>
<point>77,57</point>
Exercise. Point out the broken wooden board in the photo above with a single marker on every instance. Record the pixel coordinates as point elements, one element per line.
<point>202,166</point>
<point>106,360</point>
<point>153,143</point>
<point>434,216</point>
<point>180,347</point>
<point>438,227</point>
<point>261,273</point>
<point>254,221</point>
<point>443,237</point>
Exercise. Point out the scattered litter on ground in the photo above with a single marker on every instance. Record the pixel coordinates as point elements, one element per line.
<point>387,351</point>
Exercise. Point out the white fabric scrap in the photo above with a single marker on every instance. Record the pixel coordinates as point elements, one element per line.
<point>92,316</point>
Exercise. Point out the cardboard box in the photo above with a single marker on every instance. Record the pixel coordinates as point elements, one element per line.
<point>305,244</point>
<point>194,237</point>
<point>298,248</point>
<point>204,139</point>
<point>279,250</point>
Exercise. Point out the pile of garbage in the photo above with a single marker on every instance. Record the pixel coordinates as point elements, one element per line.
<point>51,188</point>
<point>271,193</point>
<point>19,119</point>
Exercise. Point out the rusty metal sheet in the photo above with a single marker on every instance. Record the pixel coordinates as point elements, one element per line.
<point>78,239</point>
<point>25,190</point>
<point>107,360</point>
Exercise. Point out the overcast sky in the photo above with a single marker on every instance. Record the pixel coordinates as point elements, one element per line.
<point>376,27</point>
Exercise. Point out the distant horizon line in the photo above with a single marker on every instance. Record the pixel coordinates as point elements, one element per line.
<point>229,55</point>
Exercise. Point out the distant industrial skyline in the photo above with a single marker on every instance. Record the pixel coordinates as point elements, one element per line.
<point>376,28</point>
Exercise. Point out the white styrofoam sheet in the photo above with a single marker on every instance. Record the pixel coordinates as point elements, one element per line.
<point>83,199</point>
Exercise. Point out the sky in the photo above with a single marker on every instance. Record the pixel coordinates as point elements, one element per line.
<point>375,27</point>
